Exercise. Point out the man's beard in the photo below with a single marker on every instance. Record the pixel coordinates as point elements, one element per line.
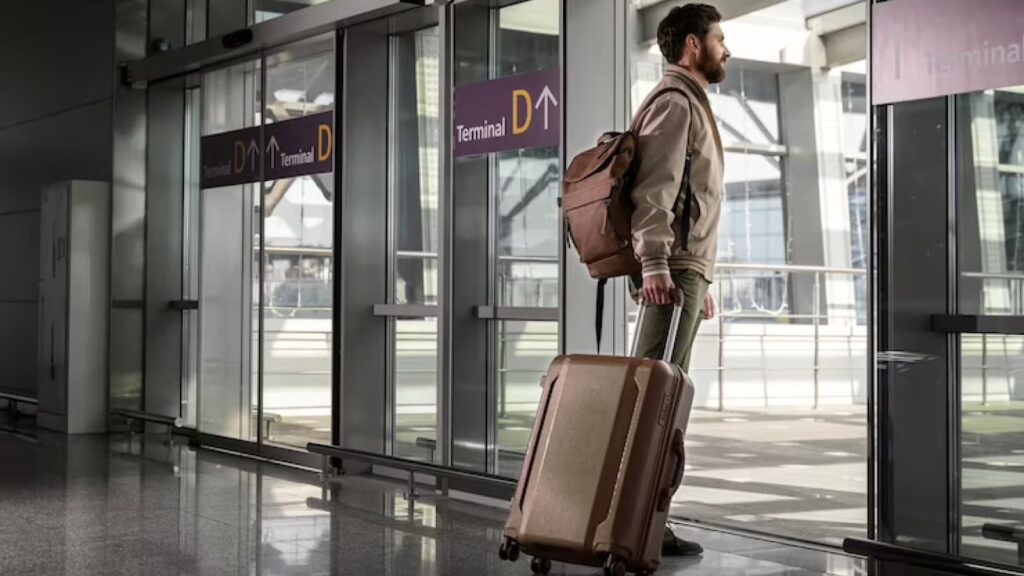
<point>713,70</point>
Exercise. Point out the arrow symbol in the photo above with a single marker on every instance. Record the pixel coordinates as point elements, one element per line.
<point>547,99</point>
<point>272,149</point>
<point>253,151</point>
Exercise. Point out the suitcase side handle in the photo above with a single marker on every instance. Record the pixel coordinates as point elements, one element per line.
<point>670,338</point>
<point>665,498</point>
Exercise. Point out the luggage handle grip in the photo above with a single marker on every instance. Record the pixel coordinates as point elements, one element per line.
<point>670,338</point>
<point>677,475</point>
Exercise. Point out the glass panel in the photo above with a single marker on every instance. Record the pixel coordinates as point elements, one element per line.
<point>264,10</point>
<point>525,350</point>
<point>297,265</point>
<point>990,152</point>
<point>992,444</point>
<point>525,229</point>
<point>190,257</point>
<point>991,245</point>
<point>415,110</point>
<point>226,299</point>
<point>527,189</point>
<point>747,107</point>
<point>752,228</point>
<point>777,437</point>
<point>415,376</point>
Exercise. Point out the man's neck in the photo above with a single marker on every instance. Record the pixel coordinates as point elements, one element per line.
<point>697,74</point>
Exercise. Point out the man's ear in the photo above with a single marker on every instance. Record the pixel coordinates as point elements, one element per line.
<point>692,43</point>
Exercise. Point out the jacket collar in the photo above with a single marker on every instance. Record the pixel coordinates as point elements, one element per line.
<point>678,72</point>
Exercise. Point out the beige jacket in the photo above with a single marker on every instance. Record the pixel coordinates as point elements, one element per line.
<point>669,127</point>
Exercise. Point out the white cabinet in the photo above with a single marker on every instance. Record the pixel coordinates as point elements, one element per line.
<point>74,281</point>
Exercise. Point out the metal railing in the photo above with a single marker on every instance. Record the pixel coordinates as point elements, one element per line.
<point>816,316</point>
<point>14,399</point>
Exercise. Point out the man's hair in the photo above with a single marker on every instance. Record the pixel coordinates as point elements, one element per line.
<point>682,21</point>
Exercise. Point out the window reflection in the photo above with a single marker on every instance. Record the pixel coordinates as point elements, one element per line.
<point>415,110</point>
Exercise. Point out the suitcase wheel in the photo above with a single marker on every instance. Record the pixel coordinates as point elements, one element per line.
<point>540,566</point>
<point>509,550</point>
<point>614,566</point>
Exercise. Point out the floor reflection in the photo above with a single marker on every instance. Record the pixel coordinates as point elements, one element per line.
<point>113,505</point>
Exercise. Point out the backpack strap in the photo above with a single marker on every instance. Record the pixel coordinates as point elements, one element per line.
<point>635,124</point>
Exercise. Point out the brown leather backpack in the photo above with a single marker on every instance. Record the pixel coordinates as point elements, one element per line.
<point>597,206</point>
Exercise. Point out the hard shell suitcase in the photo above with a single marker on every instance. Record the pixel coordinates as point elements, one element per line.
<point>604,460</point>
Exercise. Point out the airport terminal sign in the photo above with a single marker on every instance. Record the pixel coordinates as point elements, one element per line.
<point>928,48</point>
<point>291,148</point>
<point>512,113</point>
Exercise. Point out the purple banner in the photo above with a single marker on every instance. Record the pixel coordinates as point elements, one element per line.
<point>928,48</point>
<point>513,113</point>
<point>293,148</point>
<point>300,147</point>
<point>230,158</point>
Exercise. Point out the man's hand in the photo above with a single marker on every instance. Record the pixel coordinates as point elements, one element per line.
<point>710,307</point>
<point>660,289</point>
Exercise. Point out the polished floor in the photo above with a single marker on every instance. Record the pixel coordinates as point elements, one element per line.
<point>102,505</point>
<point>800,473</point>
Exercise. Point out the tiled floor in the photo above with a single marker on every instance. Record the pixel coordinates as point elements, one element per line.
<point>95,505</point>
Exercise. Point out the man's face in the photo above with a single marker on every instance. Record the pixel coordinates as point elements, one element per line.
<point>713,55</point>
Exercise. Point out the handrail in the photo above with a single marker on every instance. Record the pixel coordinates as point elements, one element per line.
<point>993,275</point>
<point>327,451</point>
<point>719,266</point>
<point>18,398</point>
<point>129,415</point>
<point>789,268</point>
<point>893,553</point>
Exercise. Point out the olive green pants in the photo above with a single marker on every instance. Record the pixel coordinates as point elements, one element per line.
<point>654,329</point>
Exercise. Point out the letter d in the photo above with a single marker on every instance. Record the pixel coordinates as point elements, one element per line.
<point>324,142</point>
<point>239,157</point>
<point>518,95</point>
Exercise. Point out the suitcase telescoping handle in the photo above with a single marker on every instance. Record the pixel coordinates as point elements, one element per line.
<point>670,338</point>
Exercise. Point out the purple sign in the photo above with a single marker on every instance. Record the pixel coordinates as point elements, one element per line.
<point>511,113</point>
<point>300,147</point>
<point>292,148</point>
<point>230,158</point>
<point>928,48</point>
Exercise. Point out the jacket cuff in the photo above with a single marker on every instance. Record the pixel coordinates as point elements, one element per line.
<point>654,266</point>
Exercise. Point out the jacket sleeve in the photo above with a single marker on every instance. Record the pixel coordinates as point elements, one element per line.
<point>661,153</point>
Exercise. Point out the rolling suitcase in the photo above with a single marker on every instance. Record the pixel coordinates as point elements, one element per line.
<point>604,460</point>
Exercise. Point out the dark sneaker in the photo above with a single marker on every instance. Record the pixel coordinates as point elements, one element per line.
<point>671,545</point>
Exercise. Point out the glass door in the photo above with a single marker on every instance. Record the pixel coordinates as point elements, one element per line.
<point>505,251</point>
<point>259,248</point>
<point>989,145</point>
<point>951,326</point>
<point>228,229</point>
<point>298,251</point>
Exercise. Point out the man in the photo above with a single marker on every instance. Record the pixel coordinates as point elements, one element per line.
<point>678,253</point>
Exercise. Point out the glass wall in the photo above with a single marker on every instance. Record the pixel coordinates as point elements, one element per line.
<point>990,152</point>
<point>415,112</point>
<point>298,254</point>
<point>777,439</point>
<point>525,187</point>
<point>263,10</point>
<point>507,242</point>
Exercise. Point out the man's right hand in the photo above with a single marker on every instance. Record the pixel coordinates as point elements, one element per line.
<point>660,289</point>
